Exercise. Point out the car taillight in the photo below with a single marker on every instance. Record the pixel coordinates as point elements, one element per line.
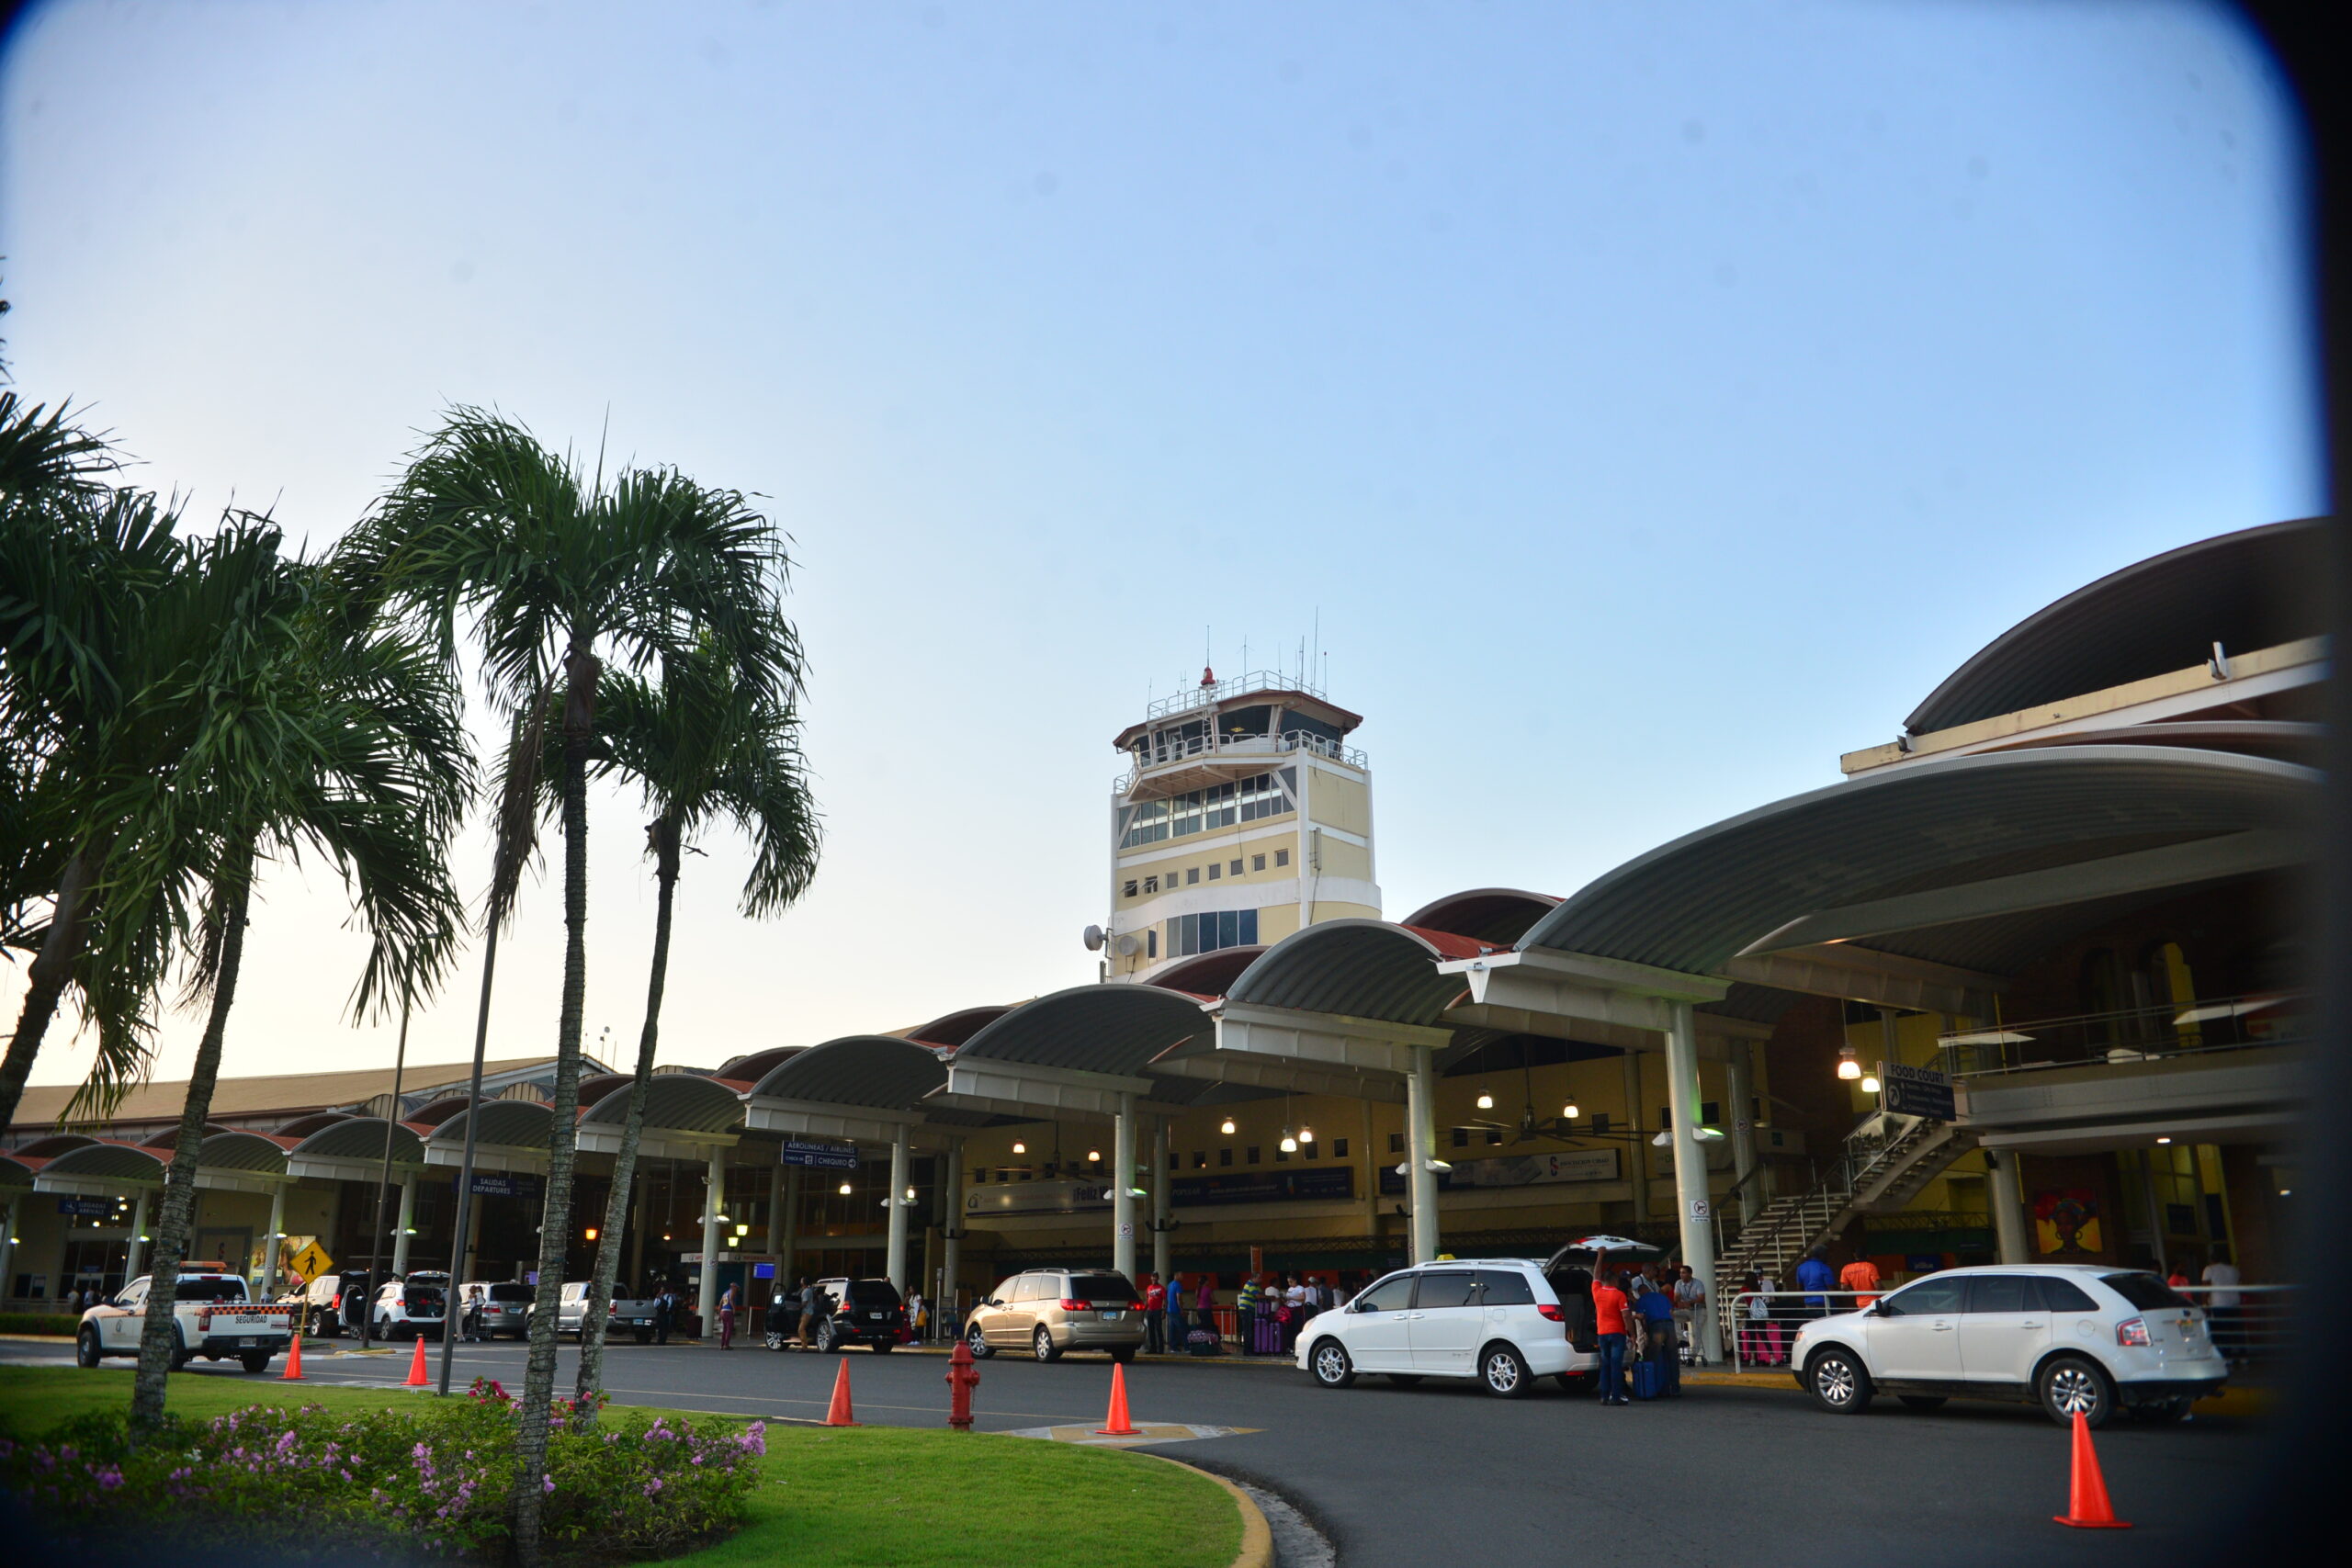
<point>1551,1310</point>
<point>203,1320</point>
<point>2132,1331</point>
<point>1068,1305</point>
<point>612,1309</point>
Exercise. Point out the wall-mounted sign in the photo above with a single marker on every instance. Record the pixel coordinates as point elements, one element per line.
<point>1036,1197</point>
<point>90,1208</point>
<point>502,1184</point>
<point>1917,1091</point>
<point>820,1157</point>
<point>1516,1170</point>
<point>1323,1184</point>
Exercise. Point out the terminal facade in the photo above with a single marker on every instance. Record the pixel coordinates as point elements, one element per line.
<point>2025,983</point>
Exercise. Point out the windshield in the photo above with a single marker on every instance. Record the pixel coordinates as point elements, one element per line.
<point>1101,1287</point>
<point>2144,1291</point>
<point>210,1291</point>
<point>873,1294</point>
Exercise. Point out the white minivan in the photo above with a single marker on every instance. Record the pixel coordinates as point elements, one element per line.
<point>1494,1319</point>
<point>2076,1338</point>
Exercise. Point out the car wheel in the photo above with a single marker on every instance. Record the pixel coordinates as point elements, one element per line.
<point>774,1340</point>
<point>180,1354</point>
<point>1838,1382</point>
<point>824,1337</point>
<point>1330,1363</point>
<point>982,1348</point>
<point>86,1348</point>
<point>1041,1345</point>
<point>255,1360</point>
<point>2071,1386</point>
<point>1503,1373</point>
<point>1922,1402</point>
<point>1404,1380</point>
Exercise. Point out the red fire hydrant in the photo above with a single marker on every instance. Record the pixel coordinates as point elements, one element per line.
<point>963,1377</point>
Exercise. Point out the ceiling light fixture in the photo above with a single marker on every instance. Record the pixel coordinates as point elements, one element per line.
<point>844,1188</point>
<point>1227,1127</point>
<point>1305,1134</point>
<point>1486,1100</point>
<point>1094,1155</point>
<point>1019,1147</point>
<point>1290,1143</point>
<point>1569,1112</point>
<point>1869,1083</point>
<point>1848,1067</point>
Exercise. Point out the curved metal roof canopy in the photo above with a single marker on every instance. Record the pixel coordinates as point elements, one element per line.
<point>353,1149</point>
<point>866,1086</point>
<point>1360,968</point>
<point>2246,590</point>
<point>1899,849</point>
<point>512,1136</point>
<point>1499,915</point>
<point>686,1116</point>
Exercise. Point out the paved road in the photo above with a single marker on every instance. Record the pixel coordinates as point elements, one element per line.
<point>1401,1476</point>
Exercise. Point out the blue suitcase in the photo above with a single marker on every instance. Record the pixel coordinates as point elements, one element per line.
<point>1649,1379</point>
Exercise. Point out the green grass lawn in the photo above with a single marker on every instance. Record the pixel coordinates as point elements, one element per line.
<point>878,1496</point>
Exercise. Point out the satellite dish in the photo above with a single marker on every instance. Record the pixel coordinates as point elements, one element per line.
<point>1095,937</point>
<point>1127,945</point>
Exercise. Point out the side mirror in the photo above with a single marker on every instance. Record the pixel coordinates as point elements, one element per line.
<point>1878,1309</point>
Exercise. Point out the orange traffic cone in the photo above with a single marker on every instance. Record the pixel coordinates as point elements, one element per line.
<point>416,1378</point>
<point>293,1371</point>
<point>1117,1424</point>
<point>840,1414</point>
<point>2088,1507</point>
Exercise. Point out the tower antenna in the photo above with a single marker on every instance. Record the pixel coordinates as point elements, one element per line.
<point>1319,636</point>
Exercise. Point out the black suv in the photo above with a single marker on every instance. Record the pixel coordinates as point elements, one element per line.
<point>861,1311</point>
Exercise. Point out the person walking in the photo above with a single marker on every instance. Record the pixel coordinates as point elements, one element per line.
<point>1689,1300</point>
<point>1155,1307</point>
<point>2222,1308</point>
<point>1205,1304</point>
<point>811,1309</point>
<point>1816,1278</point>
<point>1176,1315</point>
<point>727,1318</point>
<point>918,1316</point>
<point>1659,1340</point>
<point>1608,1306</point>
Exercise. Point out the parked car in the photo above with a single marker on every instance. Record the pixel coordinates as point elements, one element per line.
<point>2074,1338</point>
<point>488,1308</point>
<point>406,1308</point>
<point>862,1311</point>
<point>572,1311</point>
<point>1050,1310</point>
<point>1496,1320</point>
<point>331,1303</point>
<point>212,1316</point>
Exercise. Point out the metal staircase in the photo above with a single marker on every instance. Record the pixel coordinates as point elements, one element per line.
<point>1888,1159</point>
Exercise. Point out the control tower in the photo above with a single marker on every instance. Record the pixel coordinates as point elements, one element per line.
<point>1244,815</point>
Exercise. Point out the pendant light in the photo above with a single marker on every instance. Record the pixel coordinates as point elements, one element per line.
<point>1486,1097</point>
<point>1094,1156</point>
<point>1869,1083</point>
<point>1569,1112</point>
<point>1019,1147</point>
<point>1306,1134</point>
<point>1290,1143</point>
<point>1227,1127</point>
<point>844,1188</point>
<point>1848,1067</point>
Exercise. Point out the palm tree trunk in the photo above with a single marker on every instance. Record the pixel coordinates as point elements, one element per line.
<point>563,1132</point>
<point>159,1336</point>
<point>47,975</point>
<point>664,834</point>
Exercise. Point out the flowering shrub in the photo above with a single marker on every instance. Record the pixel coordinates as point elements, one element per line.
<point>387,1482</point>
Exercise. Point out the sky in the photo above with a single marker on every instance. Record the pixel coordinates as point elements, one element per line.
<point>1641,405</point>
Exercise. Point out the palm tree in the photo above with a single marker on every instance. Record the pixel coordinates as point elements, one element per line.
<point>302,728</point>
<point>89,643</point>
<point>703,750</point>
<point>559,570</point>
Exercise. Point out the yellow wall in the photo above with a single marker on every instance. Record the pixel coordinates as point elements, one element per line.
<point>1339,802</point>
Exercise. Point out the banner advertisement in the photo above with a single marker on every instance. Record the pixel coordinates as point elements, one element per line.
<point>1036,1197</point>
<point>1517,1170</point>
<point>1325,1184</point>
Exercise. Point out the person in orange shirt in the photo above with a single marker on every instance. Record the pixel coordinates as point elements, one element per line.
<point>1609,1308</point>
<point>1860,1276</point>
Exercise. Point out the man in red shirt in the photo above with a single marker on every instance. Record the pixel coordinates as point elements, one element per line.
<point>1861,1276</point>
<point>1608,1306</point>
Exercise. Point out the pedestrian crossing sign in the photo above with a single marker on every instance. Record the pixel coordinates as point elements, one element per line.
<point>312,1261</point>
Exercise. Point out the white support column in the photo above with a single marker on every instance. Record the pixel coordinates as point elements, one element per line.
<point>2003,1192</point>
<point>1162,1243</point>
<point>9,1251</point>
<point>1694,1210</point>
<point>1420,1149</point>
<point>951,1258</point>
<point>401,1226</point>
<point>138,1252</point>
<point>775,1219</point>
<point>1741,1088</point>
<point>714,1204</point>
<point>267,1286</point>
<point>791,1243</point>
<point>1123,1186</point>
<point>1637,1168</point>
<point>895,1266</point>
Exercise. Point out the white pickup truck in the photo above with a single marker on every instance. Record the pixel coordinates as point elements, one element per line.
<point>213,1317</point>
<point>634,1317</point>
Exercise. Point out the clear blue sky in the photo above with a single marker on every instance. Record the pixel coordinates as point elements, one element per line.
<point>1653,401</point>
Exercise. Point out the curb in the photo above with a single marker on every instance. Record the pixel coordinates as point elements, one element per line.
<point>2243,1400</point>
<point>1257,1535</point>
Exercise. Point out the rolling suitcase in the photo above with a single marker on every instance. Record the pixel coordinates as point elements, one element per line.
<point>1200,1342</point>
<point>1649,1379</point>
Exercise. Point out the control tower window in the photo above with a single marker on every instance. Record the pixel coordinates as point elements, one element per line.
<point>1128,890</point>
<point>1212,930</point>
<point>1145,823</point>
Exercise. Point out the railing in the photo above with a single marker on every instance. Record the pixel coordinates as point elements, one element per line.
<point>1178,748</point>
<point>2129,1034</point>
<point>1239,686</point>
<point>2248,1324</point>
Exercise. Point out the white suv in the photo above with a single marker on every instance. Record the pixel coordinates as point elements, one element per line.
<point>2075,1337</point>
<point>1495,1319</point>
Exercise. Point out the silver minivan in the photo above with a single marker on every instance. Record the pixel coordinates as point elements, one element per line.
<point>1048,1311</point>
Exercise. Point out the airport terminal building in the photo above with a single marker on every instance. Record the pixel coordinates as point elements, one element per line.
<point>2026,983</point>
